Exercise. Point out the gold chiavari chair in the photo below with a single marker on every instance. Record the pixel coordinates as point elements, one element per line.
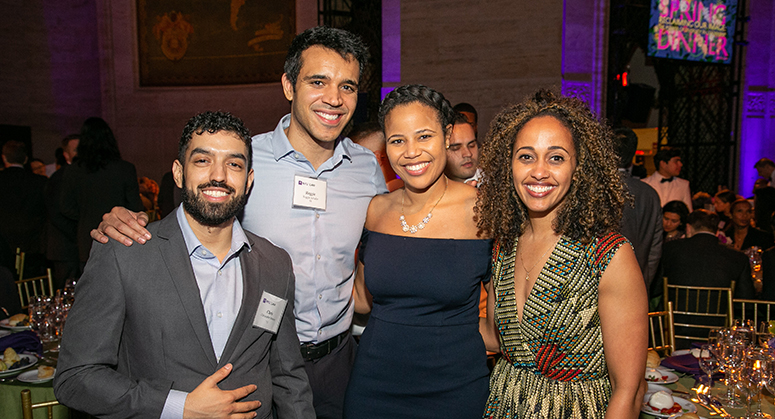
<point>755,310</point>
<point>696,310</point>
<point>31,287</point>
<point>661,331</point>
<point>28,406</point>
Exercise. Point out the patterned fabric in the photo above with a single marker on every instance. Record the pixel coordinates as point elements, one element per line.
<point>553,365</point>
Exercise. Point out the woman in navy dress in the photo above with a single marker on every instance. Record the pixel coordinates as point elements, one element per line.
<point>422,265</point>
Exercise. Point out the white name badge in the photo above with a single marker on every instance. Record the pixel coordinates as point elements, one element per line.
<point>309,193</point>
<point>270,312</point>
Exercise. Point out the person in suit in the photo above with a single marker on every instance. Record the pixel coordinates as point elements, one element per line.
<point>97,181</point>
<point>700,260</point>
<point>23,210</point>
<point>199,322</point>
<point>61,246</point>
<point>641,220</point>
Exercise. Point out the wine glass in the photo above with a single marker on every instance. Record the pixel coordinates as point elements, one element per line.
<point>733,358</point>
<point>753,376</point>
<point>708,361</point>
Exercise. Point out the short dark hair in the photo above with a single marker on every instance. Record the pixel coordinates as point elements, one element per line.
<point>213,122</point>
<point>412,93</point>
<point>763,162</point>
<point>739,201</point>
<point>15,152</point>
<point>466,107</point>
<point>702,219</point>
<point>363,129</point>
<point>726,196</point>
<point>460,119</point>
<point>665,154</point>
<point>626,145</point>
<point>343,42</point>
<point>678,207</point>
<point>97,146</point>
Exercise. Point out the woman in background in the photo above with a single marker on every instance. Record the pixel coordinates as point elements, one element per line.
<point>97,181</point>
<point>571,312</point>
<point>674,215</point>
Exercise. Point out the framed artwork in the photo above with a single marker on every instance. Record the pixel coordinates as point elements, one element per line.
<point>201,42</point>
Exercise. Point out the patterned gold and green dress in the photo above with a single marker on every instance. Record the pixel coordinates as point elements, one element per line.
<point>553,364</point>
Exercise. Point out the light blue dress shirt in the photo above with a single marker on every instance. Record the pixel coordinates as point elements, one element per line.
<point>220,288</point>
<point>321,243</point>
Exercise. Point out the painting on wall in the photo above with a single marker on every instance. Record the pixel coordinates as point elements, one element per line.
<point>201,43</point>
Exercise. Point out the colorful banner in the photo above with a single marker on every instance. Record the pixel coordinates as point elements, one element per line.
<point>696,30</point>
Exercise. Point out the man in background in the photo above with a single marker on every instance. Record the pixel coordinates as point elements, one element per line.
<point>766,169</point>
<point>469,112</point>
<point>665,179</point>
<point>641,220</point>
<point>463,153</point>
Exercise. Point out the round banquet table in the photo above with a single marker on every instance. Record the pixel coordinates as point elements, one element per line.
<point>685,384</point>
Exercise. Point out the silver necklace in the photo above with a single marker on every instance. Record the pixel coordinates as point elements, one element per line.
<point>427,219</point>
<point>527,271</point>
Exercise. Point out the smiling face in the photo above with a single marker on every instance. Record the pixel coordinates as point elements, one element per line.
<point>416,144</point>
<point>463,153</point>
<point>543,165</point>
<point>324,97</point>
<point>214,177</point>
<point>670,222</point>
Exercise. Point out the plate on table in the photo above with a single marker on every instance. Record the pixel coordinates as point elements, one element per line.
<point>4,324</point>
<point>663,376</point>
<point>4,332</point>
<point>32,377</point>
<point>9,372</point>
<point>686,407</point>
<point>681,352</point>
<point>678,415</point>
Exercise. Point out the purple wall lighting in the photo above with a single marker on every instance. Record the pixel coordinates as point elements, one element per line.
<point>391,44</point>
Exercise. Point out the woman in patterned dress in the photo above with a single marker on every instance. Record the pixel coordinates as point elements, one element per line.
<point>569,308</point>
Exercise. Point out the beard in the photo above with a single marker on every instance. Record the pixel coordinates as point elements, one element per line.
<point>208,213</point>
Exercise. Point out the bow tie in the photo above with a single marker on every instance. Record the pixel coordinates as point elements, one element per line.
<point>667,179</point>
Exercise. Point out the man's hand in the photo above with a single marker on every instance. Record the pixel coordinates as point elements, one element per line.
<point>208,401</point>
<point>123,226</point>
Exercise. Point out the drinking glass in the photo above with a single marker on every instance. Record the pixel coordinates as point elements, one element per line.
<point>708,361</point>
<point>753,376</point>
<point>733,358</point>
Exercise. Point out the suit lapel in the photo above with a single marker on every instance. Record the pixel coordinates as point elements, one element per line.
<point>250,299</point>
<point>175,255</point>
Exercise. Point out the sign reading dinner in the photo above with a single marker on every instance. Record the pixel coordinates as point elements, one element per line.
<point>695,30</point>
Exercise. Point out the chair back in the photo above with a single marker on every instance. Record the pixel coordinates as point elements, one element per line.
<point>697,310</point>
<point>31,287</point>
<point>755,310</point>
<point>661,331</point>
<point>19,263</point>
<point>28,406</point>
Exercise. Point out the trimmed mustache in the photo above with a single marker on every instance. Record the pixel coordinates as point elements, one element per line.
<point>216,184</point>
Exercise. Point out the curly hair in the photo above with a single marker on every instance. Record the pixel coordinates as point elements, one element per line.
<point>213,122</point>
<point>593,204</point>
<point>412,93</point>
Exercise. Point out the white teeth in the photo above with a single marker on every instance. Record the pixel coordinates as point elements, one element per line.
<point>416,167</point>
<point>538,189</point>
<point>328,116</point>
<point>214,194</point>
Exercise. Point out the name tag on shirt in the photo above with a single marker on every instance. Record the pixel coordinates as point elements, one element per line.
<point>309,193</point>
<point>270,312</point>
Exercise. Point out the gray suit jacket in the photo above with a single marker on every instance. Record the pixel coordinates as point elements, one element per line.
<point>642,225</point>
<point>137,329</point>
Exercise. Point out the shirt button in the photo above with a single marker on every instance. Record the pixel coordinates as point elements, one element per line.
<point>219,314</point>
<point>320,332</point>
<point>296,155</point>
<point>317,215</point>
<point>204,253</point>
<point>320,296</point>
<point>220,272</point>
<point>318,257</point>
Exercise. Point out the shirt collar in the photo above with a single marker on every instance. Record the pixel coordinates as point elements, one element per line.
<point>238,237</point>
<point>282,147</point>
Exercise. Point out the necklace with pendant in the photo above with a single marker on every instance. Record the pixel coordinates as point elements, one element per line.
<point>527,271</point>
<point>427,219</point>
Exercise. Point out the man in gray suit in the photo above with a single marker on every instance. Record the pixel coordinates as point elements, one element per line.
<point>199,323</point>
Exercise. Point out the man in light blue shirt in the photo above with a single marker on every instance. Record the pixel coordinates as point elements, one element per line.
<point>198,323</point>
<point>311,194</point>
